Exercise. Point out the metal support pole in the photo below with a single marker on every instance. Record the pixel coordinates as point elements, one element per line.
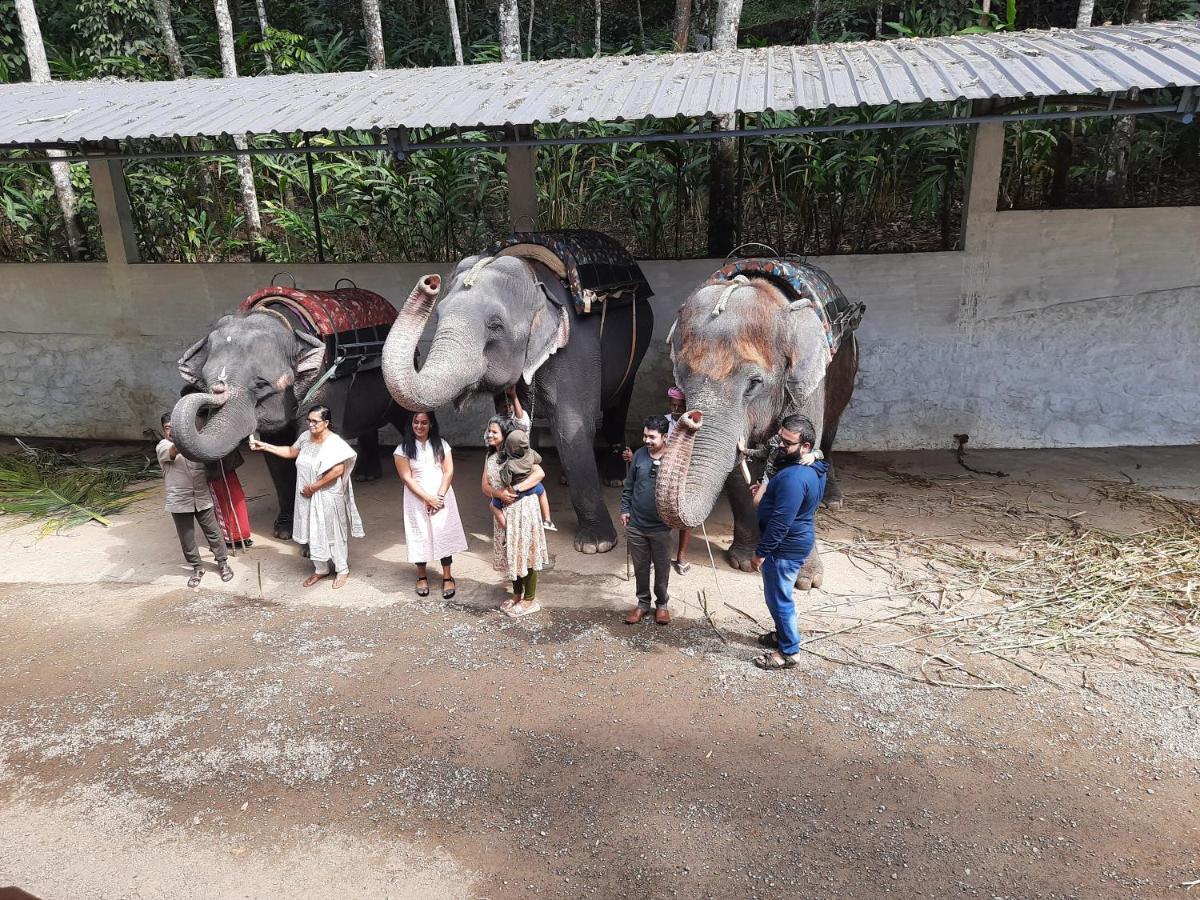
<point>312,199</point>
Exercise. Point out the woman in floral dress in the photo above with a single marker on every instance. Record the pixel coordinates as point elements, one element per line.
<point>519,549</point>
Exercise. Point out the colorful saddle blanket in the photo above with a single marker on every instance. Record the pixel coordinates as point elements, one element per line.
<point>800,281</point>
<point>353,323</point>
<point>596,269</point>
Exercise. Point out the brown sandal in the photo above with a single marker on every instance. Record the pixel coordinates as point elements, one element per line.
<point>313,579</point>
<point>775,661</point>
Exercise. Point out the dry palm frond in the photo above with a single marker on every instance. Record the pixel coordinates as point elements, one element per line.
<point>65,491</point>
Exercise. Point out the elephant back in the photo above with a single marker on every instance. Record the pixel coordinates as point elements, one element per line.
<point>353,323</point>
<point>597,270</point>
<point>799,281</point>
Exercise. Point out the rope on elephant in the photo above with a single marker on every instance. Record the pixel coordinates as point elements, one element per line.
<point>469,280</point>
<point>736,282</point>
<point>720,591</point>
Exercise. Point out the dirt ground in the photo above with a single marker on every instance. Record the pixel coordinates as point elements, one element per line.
<point>257,739</point>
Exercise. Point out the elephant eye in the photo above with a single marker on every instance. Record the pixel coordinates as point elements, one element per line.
<point>754,384</point>
<point>495,325</point>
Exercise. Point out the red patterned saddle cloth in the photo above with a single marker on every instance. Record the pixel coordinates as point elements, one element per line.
<point>596,269</point>
<point>353,323</point>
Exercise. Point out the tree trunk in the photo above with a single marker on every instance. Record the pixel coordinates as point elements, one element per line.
<point>529,31</point>
<point>597,44</point>
<point>162,11</point>
<point>261,5</point>
<point>641,28</point>
<point>879,21</point>
<point>683,23</point>
<point>1086,10</point>
<point>814,23</point>
<point>510,31</point>
<point>245,171</point>
<point>455,35</point>
<point>1116,174</point>
<point>722,175</point>
<point>373,25</point>
<point>39,73</point>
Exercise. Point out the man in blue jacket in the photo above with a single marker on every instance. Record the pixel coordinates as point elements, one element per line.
<point>786,508</point>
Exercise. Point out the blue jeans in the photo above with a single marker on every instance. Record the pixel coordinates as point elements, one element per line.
<point>537,490</point>
<point>779,579</point>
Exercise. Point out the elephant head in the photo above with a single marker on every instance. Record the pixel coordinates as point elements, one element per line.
<point>744,355</point>
<point>249,372</point>
<point>495,325</point>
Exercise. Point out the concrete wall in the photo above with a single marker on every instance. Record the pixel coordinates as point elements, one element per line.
<point>1058,328</point>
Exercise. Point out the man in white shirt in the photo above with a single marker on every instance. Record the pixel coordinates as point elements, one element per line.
<point>189,502</point>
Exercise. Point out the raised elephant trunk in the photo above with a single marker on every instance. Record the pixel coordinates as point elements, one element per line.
<point>231,420</point>
<point>689,481</point>
<point>447,370</point>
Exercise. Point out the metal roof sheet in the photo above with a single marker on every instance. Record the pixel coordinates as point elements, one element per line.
<point>615,88</point>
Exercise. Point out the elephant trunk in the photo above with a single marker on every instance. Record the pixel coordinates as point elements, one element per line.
<point>447,370</point>
<point>232,420</point>
<point>694,469</point>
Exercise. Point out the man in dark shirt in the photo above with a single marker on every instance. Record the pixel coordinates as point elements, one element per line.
<point>648,536</point>
<point>786,509</point>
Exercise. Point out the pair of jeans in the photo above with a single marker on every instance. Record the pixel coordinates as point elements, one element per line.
<point>779,580</point>
<point>646,549</point>
<point>185,527</point>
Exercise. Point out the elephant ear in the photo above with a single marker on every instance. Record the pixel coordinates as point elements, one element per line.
<point>808,356</point>
<point>191,364</point>
<point>310,357</point>
<point>551,343</point>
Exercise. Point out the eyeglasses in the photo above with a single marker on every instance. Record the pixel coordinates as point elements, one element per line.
<point>313,422</point>
<point>784,442</point>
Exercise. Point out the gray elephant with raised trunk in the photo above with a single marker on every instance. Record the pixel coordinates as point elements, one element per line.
<point>505,319</point>
<point>748,350</point>
<point>248,374</point>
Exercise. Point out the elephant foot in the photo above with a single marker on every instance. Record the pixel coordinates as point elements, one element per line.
<point>366,476</point>
<point>284,534</point>
<point>594,541</point>
<point>614,482</point>
<point>740,558</point>
<point>832,498</point>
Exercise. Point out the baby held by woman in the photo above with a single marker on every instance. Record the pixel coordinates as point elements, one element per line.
<point>517,461</point>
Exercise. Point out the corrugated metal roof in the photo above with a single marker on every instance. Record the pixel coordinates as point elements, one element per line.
<point>615,88</point>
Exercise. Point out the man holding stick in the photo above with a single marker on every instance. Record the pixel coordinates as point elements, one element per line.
<point>786,510</point>
<point>647,536</point>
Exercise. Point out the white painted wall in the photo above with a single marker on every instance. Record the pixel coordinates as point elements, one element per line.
<point>1061,328</point>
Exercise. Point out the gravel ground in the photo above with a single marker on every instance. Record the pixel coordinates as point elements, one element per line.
<point>227,742</point>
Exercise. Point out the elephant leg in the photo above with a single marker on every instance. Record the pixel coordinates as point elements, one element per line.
<point>595,532</point>
<point>368,467</point>
<point>812,573</point>
<point>612,430</point>
<point>832,498</point>
<point>283,476</point>
<point>745,522</point>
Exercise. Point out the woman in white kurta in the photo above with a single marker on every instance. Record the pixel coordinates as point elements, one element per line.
<point>432,527</point>
<point>325,516</point>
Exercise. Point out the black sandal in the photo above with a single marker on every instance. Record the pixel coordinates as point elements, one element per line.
<point>197,574</point>
<point>770,640</point>
<point>775,661</point>
<point>423,592</point>
<point>447,594</point>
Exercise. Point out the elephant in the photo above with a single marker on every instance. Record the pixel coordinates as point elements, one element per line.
<point>748,351</point>
<point>249,374</point>
<point>507,319</point>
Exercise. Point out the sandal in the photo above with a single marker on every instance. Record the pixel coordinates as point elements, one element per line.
<point>770,640</point>
<point>194,580</point>
<point>519,611</point>
<point>509,603</point>
<point>313,579</point>
<point>447,594</point>
<point>340,581</point>
<point>682,568</point>
<point>423,591</point>
<point>775,660</point>
<point>225,571</point>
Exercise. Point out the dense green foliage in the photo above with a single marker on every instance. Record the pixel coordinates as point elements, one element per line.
<point>867,191</point>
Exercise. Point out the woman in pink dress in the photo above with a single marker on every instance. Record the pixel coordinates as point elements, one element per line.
<point>432,527</point>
